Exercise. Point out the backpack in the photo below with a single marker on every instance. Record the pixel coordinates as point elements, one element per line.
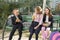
<point>9,20</point>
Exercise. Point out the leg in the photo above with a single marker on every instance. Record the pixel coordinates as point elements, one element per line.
<point>20,32</point>
<point>31,29</point>
<point>12,32</point>
<point>31,33</point>
<point>36,36</point>
<point>37,31</point>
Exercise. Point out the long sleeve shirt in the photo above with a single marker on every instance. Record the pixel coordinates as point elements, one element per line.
<point>14,20</point>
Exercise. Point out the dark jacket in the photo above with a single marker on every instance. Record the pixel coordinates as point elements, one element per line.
<point>50,19</point>
<point>14,19</point>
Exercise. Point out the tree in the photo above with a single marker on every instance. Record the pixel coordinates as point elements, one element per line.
<point>57,9</point>
<point>27,5</point>
<point>3,13</point>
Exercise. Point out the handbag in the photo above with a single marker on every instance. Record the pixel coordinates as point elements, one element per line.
<point>46,24</point>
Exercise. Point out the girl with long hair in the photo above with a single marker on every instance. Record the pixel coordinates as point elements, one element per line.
<point>36,24</point>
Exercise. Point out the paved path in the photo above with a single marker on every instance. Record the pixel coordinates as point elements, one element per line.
<point>16,38</point>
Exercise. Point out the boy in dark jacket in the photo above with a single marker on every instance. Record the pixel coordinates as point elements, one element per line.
<point>17,24</point>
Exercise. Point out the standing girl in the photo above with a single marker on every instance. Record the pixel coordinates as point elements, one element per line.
<point>36,23</point>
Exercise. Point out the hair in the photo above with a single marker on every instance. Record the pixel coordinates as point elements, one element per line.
<point>39,9</point>
<point>50,14</point>
<point>15,9</point>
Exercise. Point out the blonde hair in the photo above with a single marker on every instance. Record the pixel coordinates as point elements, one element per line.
<point>39,9</point>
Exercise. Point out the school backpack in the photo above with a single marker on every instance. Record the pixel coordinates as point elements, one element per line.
<point>9,21</point>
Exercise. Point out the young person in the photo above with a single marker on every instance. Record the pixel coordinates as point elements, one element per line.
<point>45,34</point>
<point>36,23</point>
<point>48,18</point>
<point>17,23</point>
<point>47,24</point>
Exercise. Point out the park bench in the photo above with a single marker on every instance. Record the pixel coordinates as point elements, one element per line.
<point>28,19</point>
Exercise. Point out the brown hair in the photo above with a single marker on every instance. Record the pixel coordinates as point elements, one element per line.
<point>50,14</point>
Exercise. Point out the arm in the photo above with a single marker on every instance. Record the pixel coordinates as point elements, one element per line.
<point>40,23</point>
<point>13,20</point>
<point>19,19</point>
<point>51,20</point>
<point>33,16</point>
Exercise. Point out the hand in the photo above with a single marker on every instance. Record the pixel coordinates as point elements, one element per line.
<point>36,27</point>
<point>49,23</point>
<point>44,24</point>
<point>17,20</point>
